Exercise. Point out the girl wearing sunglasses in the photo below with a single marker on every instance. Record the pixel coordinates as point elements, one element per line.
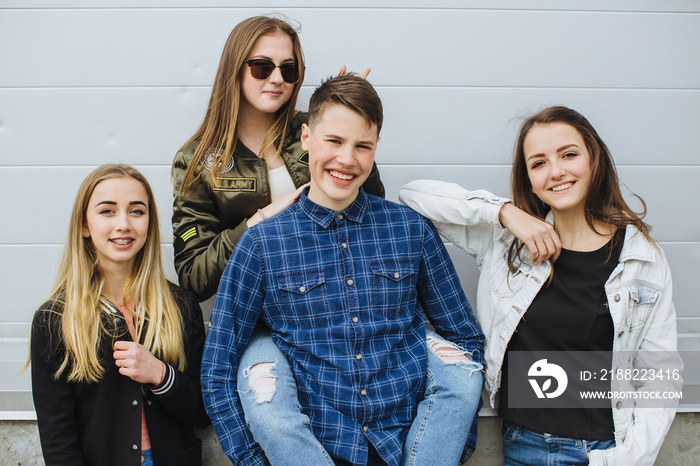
<point>245,162</point>
<point>566,267</point>
<point>116,349</point>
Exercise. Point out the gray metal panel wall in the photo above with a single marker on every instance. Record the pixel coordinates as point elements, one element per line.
<point>90,82</point>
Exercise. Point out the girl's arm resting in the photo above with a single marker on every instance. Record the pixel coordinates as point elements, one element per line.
<point>53,399</point>
<point>539,236</point>
<point>466,218</point>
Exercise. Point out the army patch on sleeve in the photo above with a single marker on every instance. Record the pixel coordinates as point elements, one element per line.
<point>304,158</point>
<point>179,241</point>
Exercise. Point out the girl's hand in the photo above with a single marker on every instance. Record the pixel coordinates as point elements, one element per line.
<point>137,363</point>
<point>539,236</point>
<point>363,74</point>
<point>276,207</point>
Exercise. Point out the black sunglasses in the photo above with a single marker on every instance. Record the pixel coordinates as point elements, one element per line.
<point>262,68</point>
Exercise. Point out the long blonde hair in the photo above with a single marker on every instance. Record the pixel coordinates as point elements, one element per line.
<point>218,133</point>
<point>79,283</point>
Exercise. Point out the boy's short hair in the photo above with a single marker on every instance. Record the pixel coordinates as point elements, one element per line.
<point>350,91</point>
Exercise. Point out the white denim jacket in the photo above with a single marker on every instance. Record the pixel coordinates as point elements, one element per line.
<point>639,295</point>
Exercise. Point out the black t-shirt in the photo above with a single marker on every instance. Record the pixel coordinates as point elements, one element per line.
<point>569,314</point>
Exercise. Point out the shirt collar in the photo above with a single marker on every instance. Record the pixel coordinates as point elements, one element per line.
<point>323,216</point>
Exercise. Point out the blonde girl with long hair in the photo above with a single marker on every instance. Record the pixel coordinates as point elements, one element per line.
<point>569,276</point>
<point>116,348</point>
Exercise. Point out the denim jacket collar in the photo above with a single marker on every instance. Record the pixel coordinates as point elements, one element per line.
<point>636,247</point>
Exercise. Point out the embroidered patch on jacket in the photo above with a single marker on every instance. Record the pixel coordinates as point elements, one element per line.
<point>235,184</point>
<point>304,158</point>
<point>208,160</point>
<point>179,242</point>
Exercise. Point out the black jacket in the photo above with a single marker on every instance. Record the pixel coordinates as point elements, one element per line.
<point>100,423</point>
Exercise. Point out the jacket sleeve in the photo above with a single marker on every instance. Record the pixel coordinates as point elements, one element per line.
<point>202,248</point>
<point>658,350</point>
<point>373,184</point>
<point>180,393</point>
<point>54,400</point>
<point>468,219</point>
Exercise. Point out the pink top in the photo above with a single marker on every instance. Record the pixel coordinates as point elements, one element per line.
<point>145,439</point>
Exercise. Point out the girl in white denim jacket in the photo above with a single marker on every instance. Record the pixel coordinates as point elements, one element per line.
<point>566,194</point>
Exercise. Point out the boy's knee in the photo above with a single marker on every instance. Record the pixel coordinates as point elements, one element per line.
<point>261,381</point>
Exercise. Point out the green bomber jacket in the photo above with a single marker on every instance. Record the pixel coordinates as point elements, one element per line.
<point>209,219</point>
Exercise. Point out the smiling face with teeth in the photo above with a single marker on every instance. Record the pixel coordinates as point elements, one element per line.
<point>341,147</point>
<point>559,166</point>
<point>117,221</point>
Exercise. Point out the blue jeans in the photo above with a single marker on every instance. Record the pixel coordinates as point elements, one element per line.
<point>437,436</point>
<point>523,446</point>
<point>146,458</point>
<point>272,410</point>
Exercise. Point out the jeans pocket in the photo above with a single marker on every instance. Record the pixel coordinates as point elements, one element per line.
<point>510,432</point>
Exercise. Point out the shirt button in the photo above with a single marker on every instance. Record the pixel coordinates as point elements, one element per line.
<point>149,402</point>
<point>355,319</point>
<point>134,447</point>
<point>344,245</point>
<point>616,298</point>
<point>363,392</point>
<point>350,282</point>
<point>396,275</point>
<point>134,403</point>
<point>365,428</point>
<point>340,216</point>
<point>302,289</point>
<point>209,324</point>
<point>358,356</point>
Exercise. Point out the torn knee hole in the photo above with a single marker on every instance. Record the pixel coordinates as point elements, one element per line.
<point>446,351</point>
<point>261,380</point>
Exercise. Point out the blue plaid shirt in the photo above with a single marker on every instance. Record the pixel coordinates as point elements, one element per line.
<point>344,294</point>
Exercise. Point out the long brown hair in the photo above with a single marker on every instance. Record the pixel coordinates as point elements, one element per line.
<point>219,130</point>
<point>79,284</point>
<point>604,201</point>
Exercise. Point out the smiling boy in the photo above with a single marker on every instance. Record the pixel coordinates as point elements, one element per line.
<point>343,280</point>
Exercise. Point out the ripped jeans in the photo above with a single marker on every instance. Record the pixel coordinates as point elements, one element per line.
<point>267,390</point>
